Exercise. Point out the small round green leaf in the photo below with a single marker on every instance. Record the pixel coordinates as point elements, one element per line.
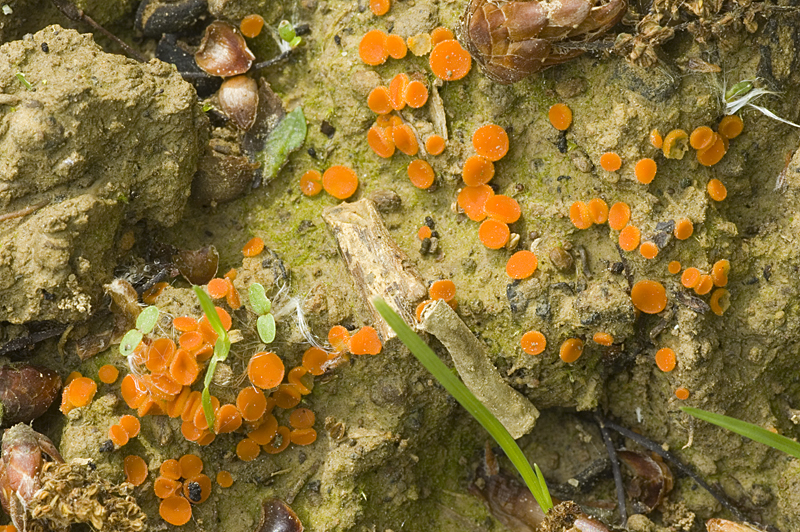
<point>147,319</point>
<point>266,328</point>
<point>286,31</point>
<point>130,342</point>
<point>259,300</point>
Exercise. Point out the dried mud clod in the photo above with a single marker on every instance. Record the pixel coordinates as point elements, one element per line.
<point>73,493</point>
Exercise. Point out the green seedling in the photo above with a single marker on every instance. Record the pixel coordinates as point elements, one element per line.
<point>748,430</point>
<point>262,305</point>
<point>287,136</point>
<point>25,83</point>
<point>221,349</point>
<point>532,476</point>
<point>743,94</point>
<point>145,324</point>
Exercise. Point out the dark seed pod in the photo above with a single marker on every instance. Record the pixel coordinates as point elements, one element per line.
<point>26,392</point>
<point>277,516</point>
<point>512,40</point>
<point>238,98</point>
<point>197,266</point>
<point>155,17</point>
<point>223,51</point>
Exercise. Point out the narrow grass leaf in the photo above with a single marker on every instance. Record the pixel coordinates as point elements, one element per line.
<point>748,430</point>
<point>221,349</point>
<point>461,393</point>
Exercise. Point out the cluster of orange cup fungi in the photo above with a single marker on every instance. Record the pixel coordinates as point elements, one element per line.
<point>180,485</point>
<point>339,181</point>
<point>703,283</point>
<point>128,427</point>
<point>570,350</point>
<point>444,289</point>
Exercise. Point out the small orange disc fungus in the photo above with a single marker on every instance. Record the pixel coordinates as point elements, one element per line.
<point>720,301</point>
<point>373,49</point>
<point>665,359</point>
<point>533,342</point>
<point>690,277</point>
<point>185,324</point>
<point>135,470</point>
<point>247,450</point>
<point>675,144</point>
<point>108,374</point>
<point>656,140</point>
<point>303,436</point>
<point>649,296</point>
<point>645,170</point>
<point>683,229</point>
<point>701,138</point>
<point>251,25</point>
<point>381,140</point>
<point>522,264</point>
<point>648,250</point>
<point>682,394</point>
<point>441,34</point>
<point>175,510</point>
<point>716,190</point>
<point>193,340</point>
<point>598,210</point>
<point>449,61</point>
<point>610,161</point>
<point>580,215</point>
<point>265,432</point>
<point>286,396</point>
<point>560,116</point>
<point>118,435</point>
<point>313,360</point>
<point>302,418</point>
<point>397,91</point>
<point>265,370</point>
<point>279,442</point>
<point>494,234</point>
<point>396,47</point>
<point>442,289</point>
<point>224,479</point>
<point>405,139</point>
<point>730,127</point>
<point>603,338</point>
<point>477,170</point>
<point>164,487</point>
<point>311,183</point>
<point>380,7</point>
<point>503,208</point>
<point>191,465</point>
<point>80,391</point>
<point>490,141</point>
<point>424,232</point>
<point>704,286</point>
<point>253,247</point>
<point>339,338</point>
<point>571,350</point>
<point>618,216</point>
<point>251,403</point>
<point>131,425</point>
<point>340,181</point>
<point>435,144</point>
<point>420,173</point>
<point>629,238</point>
<point>184,368</point>
<point>205,488</point>
<point>227,419</point>
<point>714,153</point>
<point>719,272</point>
<point>674,267</point>
<point>365,342</point>
<point>378,100</point>
<point>472,201</point>
<point>416,94</point>
<point>170,469</point>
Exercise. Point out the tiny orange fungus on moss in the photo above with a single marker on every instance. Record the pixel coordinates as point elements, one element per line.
<point>416,94</point>
<point>251,25</point>
<point>473,201</point>
<point>442,289</point>
<point>580,215</point>
<point>449,61</point>
<point>684,229</point>
<point>716,190</point>
<point>522,264</point>
<point>560,116</point>
<point>610,161</point>
<point>435,144</point>
<point>674,267</point>
<point>490,141</point>
<point>494,234</point>
<point>503,208</point>
<point>396,47</point>
<point>420,173</point>
<point>682,394</point>
<point>405,139</point>
<point>340,181</point>
<point>719,272</point>
<point>649,296</point>
<point>666,359</point>
<point>598,210</point>
<point>533,342</point>
<point>629,238</point>
<point>720,301</point>
<point>224,479</point>
<point>373,49</point>
<point>378,100</point>
<point>618,216</point>
<point>675,144</point>
<point>365,342</point>
<point>648,250</point>
<point>108,374</point>
<point>656,140</point>
<point>571,350</point>
<point>603,338</point>
<point>135,470</point>
<point>441,34</point>
<point>253,247</point>
<point>645,170</point>
<point>311,183</point>
<point>730,127</point>
<point>477,170</point>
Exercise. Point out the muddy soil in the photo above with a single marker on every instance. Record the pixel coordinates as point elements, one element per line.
<point>394,451</point>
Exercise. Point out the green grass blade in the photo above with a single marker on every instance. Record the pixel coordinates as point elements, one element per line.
<point>221,349</point>
<point>748,430</point>
<point>461,393</point>
<point>543,485</point>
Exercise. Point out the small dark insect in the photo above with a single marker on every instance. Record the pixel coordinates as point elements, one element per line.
<point>195,492</point>
<point>512,40</point>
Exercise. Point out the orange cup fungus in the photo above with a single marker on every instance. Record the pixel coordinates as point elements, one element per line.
<point>314,360</point>
<point>560,116</point>
<point>135,470</point>
<point>472,201</point>
<point>265,370</point>
<point>175,510</point>
<point>303,436</point>
<point>713,154</point>
<point>442,289</point>
<point>719,272</point>
<point>683,229</point>
<point>648,250</point>
<point>449,61</point>
<point>301,418</point>
<point>629,238</point>
<point>396,47</point>
<point>674,267</point>
<point>675,144</point>
<point>730,127</point>
<point>656,140</point>
<point>381,140</point>
<point>493,233</point>
<point>224,479</point>
<point>373,49</point>
<point>666,359</point>
<point>610,161</point>
<point>440,34</point>
<point>78,394</point>
<point>251,25</point>
<point>503,208</point>
<point>108,374</point>
<point>704,285</point>
<point>397,91</point>
<point>618,216</point>
<point>435,144</point>
<point>378,100</point>
<point>603,338</point>
<point>416,94</point>
<point>380,7</point>
<point>311,183</point>
<point>720,301</point>
<point>580,215</point>
<point>716,190</point>
<point>533,342</point>
<point>253,247</point>
<point>682,394</point>
<point>365,342</point>
<point>649,296</point>
<point>217,289</point>
<point>571,350</point>
<point>490,141</point>
<point>645,170</point>
<point>701,138</point>
<point>420,173</point>
<point>340,181</point>
<point>405,140</point>
<point>477,170</point>
<point>522,264</point>
<point>598,210</point>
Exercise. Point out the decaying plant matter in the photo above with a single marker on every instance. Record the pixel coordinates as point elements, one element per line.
<point>512,40</point>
